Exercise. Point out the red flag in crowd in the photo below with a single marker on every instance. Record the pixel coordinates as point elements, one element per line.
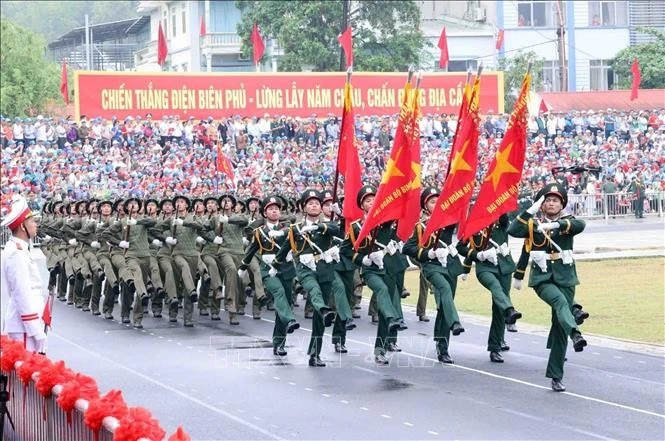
<point>637,78</point>
<point>443,45</point>
<point>453,203</point>
<point>257,42</point>
<point>202,28</point>
<point>64,83</point>
<point>390,200</point>
<point>345,40</point>
<point>348,161</point>
<point>498,193</point>
<point>224,165</point>
<point>162,49</point>
<point>499,39</point>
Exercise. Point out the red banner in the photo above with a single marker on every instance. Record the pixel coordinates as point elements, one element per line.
<point>220,95</point>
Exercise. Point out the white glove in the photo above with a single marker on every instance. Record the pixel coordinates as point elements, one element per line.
<point>517,283</point>
<point>40,344</point>
<point>200,240</point>
<point>333,252</point>
<point>400,246</point>
<point>391,248</point>
<point>177,221</point>
<point>309,228</point>
<point>533,209</point>
<point>245,242</point>
<point>156,242</point>
<point>548,226</point>
<point>275,233</point>
<point>242,273</point>
<point>95,244</point>
<point>480,255</point>
<point>504,249</point>
<point>131,221</point>
<point>171,240</point>
<point>123,244</point>
<point>464,277</point>
<point>431,254</point>
<point>490,256</point>
<point>335,209</point>
<point>377,258</point>
<point>218,240</point>
<point>223,218</point>
<point>289,256</point>
<point>46,239</point>
<point>367,261</point>
<point>442,255</point>
<point>72,242</point>
<point>272,272</point>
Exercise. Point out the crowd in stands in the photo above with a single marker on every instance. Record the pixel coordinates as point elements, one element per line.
<point>140,156</point>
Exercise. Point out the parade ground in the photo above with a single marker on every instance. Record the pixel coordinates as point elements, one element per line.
<point>223,382</point>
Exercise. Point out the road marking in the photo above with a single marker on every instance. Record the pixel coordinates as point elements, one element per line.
<point>343,401</point>
<point>308,389</point>
<point>407,424</point>
<point>595,353</point>
<point>431,432</point>
<point>618,357</point>
<point>291,383</point>
<point>534,342</point>
<point>383,415</point>
<point>275,378</point>
<point>159,336</point>
<point>175,391</point>
<point>641,362</point>
<point>367,370</point>
<point>363,408</point>
<point>325,395</point>
<point>152,333</point>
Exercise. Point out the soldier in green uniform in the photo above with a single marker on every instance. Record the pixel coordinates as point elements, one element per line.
<point>370,259</point>
<point>199,212</point>
<point>87,236</point>
<point>112,285</point>
<point>494,268</point>
<point>440,265</point>
<point>637,188</point>
<point>268,240</point>
<point>157,235</point>
<point>158,294</point>
<point>209,253</point>
<point>259,298</point>
<point>553,275</point>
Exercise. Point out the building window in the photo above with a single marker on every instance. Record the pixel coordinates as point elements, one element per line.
<point>459,65</point>
<point>551,79</point>
<point>174,22</point>
<point>183,15</point>
<point>537,13</point>
<point>601,75</point>
<point>608,13</point>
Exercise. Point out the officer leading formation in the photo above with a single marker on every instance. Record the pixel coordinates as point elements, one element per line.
<point>213,254</point>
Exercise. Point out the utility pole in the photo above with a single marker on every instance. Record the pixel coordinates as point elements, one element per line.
<point>561,46</point>
<point>88,52</point>
<point>345,24</point>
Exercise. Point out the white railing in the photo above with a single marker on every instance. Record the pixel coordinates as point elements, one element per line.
<point>221,39</point>
<point>613,205</point>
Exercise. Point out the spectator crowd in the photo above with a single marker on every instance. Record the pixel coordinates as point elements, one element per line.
<point>44,158</point>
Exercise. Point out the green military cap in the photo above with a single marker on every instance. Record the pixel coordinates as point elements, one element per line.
<point>327,195</point>
<point>554,188</point>
<point>270,200</point>
<point>365,190</point>
<point>310,194</point>
<point>426,194</point>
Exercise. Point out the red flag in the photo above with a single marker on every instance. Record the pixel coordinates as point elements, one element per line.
<point>346,42</point>
<point>162,49</point>
<point>637,78</point>
<point>64,83</point>
<point>257,42</point>
<point>499,39</point>
<point>224,165</point>
<point>202,28</point>
<point>453,203</point>
<point>390,200</point>
<point>443,45</point>
<point>412,203</point>
<point>498,193</point>
<point>46,314</point>
<point>348,162</point>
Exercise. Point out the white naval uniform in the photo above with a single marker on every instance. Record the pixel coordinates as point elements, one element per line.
<point>21,280</point>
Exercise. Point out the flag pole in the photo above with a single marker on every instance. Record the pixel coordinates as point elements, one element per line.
<point>349,72</point>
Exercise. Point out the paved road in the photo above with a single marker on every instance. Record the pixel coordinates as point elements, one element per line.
<point>222,382</point>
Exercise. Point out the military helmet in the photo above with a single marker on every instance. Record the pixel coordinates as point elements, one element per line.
<point>105,202</point>
<point>89,205</point>
<point>310,194</point>
<point>184,198</point>
<point>327,195</point>
<point>196,201</point>
<point>77,205</point>
<point>270,200</point>
<point>232,198</point>
<point>138,201</point>
<point>163,201</point>
<point>426,194</point>
<point>365,190</point>
<point>210,198</point>
<point>116,204</point>
<point>554,188</point>
<point>46,208</point>
<point>150,201</point>
<point>252,198</point>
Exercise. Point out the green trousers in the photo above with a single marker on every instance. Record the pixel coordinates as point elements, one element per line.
<point>343,306</point>
<point>383,291</point>
<point>446,312</point>
<point>283,312</point>
<point>560,299</point>
<point>499,286</point>
<point>318,294</point>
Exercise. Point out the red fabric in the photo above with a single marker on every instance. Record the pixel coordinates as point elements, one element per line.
<point>499,39</point>
<point>443,45</point>
<point>12,351</point>
<point>498,193</point>
<point>78,387</point>
<point>453,202</point>
<point>64,85</point>
<point>162,48</point>
<point>224,165</point>
<point>637,78</point>
<point>202,29</point>
<point>345,40</point>
<point>111,404</point>
<point>390,197</point>
<point>138,423</point>
<point>32,363</point>
<point>348,161</point>
<point>49,376</point>
<point>180,435</point>
<point>257,43</point>
<point>46,314</point>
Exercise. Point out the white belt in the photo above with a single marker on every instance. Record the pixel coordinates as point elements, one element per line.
<point>309,260</point>
<point>268,259</point>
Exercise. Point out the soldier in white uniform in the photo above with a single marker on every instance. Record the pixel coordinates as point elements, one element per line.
<point>21,281</point>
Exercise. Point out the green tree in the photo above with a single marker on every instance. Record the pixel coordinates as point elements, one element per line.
<point>514,68</point>
<point>27,80</point>
<point>651,57</point>
<point>387,36</point>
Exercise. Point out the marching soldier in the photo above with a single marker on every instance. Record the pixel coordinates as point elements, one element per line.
<point>87,236</point>
<point>553,275</point>
<point>209,253</point>
<point>151,207</point>
<point>254,221</point>
<point>268,240</point>
<point>112,285</point>
<point>157,235</point>
<point>440,265</point>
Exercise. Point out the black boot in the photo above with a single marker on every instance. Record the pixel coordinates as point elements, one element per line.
<point>578,341</point>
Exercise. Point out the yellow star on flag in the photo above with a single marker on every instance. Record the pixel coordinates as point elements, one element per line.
<point>502,166</point>
<point>459,164</point>
<point>392,169</point>
<point>415,169</point>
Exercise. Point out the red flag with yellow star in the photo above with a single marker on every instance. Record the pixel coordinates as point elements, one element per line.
<point>397,180</point>
<point>498,193</point>
<point>453,203</point>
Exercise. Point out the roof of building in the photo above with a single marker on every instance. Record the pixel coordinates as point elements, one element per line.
<point>610,99</point>
<point>102,31</point>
